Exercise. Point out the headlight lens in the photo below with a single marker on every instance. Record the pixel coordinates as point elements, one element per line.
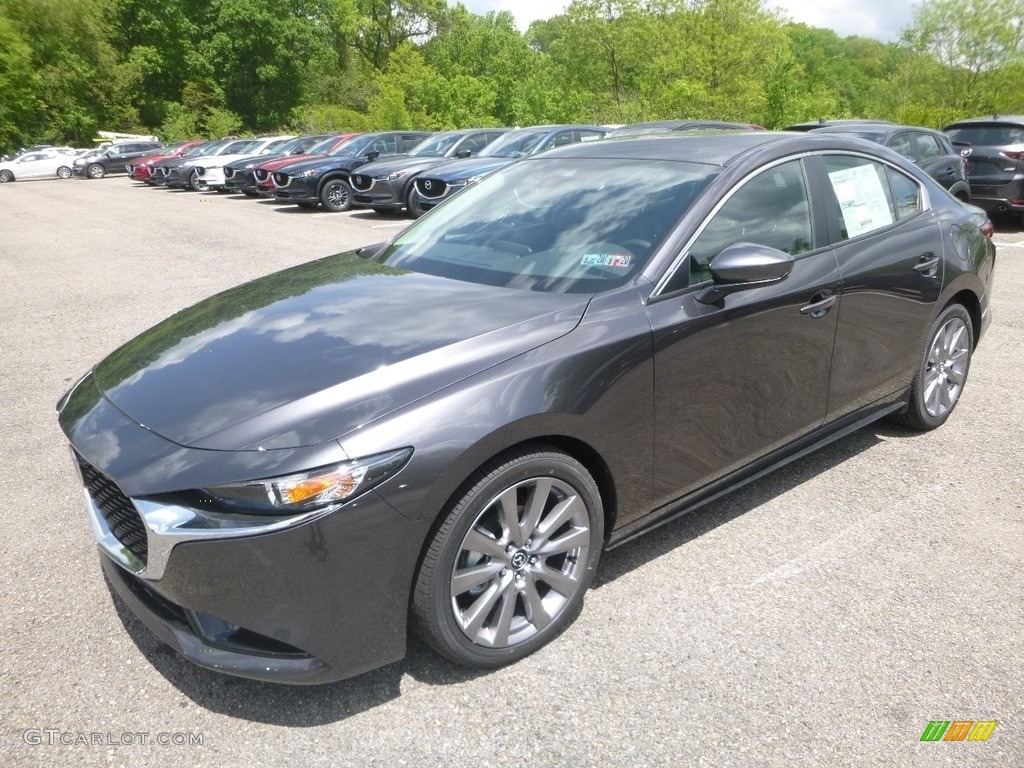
<point>391,176</point>
<point>465,182</point>
<point>308,174</point>
<point>305,491</point>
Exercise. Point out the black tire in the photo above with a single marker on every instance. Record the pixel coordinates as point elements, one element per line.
<point>6,176</point>
<point>942,373</point>
<point>527,569</point>
<point>196,183</point>
<point>308,206</point>
<point>336,195</point>
<point>96,171</point>
<point>385,211</point>
<point>64,172</point>
<point>413,206</point>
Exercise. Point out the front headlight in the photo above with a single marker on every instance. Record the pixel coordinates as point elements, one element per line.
<point>391,176</point>
<point>305,491</point>
<point>308,174</point>
<point>458,183</point>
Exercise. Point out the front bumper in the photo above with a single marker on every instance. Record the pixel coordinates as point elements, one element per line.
<point>212,177</point>
<point>299,190</point>
<point>310,600</point>
<point>239,181</point>
<point>381,194</point>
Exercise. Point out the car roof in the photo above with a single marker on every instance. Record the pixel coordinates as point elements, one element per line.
<point>721,148</point>
<point>814,124</point>
<point>679,125</point>
<point>993,120</point>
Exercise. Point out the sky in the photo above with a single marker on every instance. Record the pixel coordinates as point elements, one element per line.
<point>880,19</point>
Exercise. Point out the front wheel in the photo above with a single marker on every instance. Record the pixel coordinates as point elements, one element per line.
<point>64,172</point>
<point>6,176</point>
<point>336,195</point>
<point>196,182</point>
<point>96,171</point>
<point>941,377</point>
<point>507,570</point>
<point>413,204</point>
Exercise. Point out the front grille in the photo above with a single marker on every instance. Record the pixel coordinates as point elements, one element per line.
<point>261,175</point>
<point>431,187</point>
<point>229,173</point>
<point>361,182</point>
<point>122,518</point>
<point>281,179</point>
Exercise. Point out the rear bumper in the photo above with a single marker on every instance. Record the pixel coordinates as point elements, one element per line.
<point>999,199</point>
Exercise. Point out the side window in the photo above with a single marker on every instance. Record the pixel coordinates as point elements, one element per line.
<point>476,142</point>
<point>588,135</point>
<point>927,146</point>
<point>902,145</point>
<point>906,194</point>
<point>561,139</point>
<point>863,202</point>
<point>771,209</point>
<point>385,145</point>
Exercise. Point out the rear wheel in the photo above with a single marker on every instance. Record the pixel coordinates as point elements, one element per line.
<point>96,171</point>
<point>941,377</point>
<point>64,172</point>
<point>507,570</point>
<point>6,176</point>
<point>336,195</point>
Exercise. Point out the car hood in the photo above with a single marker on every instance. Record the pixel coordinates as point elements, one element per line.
<point>272,164</point>
<point>472,166</point>
<point>307,355</point>
<point>328,163</point>
<point>401,163</point>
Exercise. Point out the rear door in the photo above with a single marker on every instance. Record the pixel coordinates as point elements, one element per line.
<point>936,160</point>
<point>890,253</point>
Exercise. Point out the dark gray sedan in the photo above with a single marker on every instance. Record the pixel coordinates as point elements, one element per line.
<point>451,427</point>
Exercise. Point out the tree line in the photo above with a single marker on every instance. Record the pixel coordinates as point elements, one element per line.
<point>190,68</point>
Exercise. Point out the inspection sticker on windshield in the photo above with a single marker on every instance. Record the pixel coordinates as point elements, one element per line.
<point>613,260</point>
<point>865,206</point>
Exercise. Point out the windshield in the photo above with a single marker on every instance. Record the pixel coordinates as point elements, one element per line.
<point>352,147</point>
<point>573,225</point>
<point>436,146</point>
<point>323,146</point>
<point>207,149</point>
<point>287,146</point>
<point>513,144</point>
<point>238,147</point>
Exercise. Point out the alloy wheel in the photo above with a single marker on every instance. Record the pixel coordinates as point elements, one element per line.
<point>520,563</point>
<point>946,369</point>
<point>64,172</point>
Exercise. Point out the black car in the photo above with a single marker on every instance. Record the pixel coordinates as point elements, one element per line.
<point>660,126</point>
<point>113,159</point>
<point>239,175</point>
<point>994,150</point>
<point>930,150</point>
<point>385,185</point>
<point>325,180</point>
<point>452,426</point>
<point>432,189</point>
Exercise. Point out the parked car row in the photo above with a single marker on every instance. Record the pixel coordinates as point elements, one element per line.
<point>980,160</point>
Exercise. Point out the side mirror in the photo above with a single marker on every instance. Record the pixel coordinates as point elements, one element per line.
<point>369,251</point>
<point>463,153</point>
<point>743,266</point>
<point>372,155</point>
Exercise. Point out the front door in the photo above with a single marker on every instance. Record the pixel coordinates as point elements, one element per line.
<point>736,380</point>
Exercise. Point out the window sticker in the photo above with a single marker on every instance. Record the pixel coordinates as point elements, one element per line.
<point>613,260</point>
<point>862,199</point>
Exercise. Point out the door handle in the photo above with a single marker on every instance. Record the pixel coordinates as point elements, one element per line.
<point>820,305</point>
<point>928,265</point>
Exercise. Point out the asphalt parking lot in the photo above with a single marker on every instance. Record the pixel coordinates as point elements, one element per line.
<point>821,616</point>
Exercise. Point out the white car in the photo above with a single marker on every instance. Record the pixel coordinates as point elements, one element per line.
<point>37,165</point>
<point>209,171</point>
